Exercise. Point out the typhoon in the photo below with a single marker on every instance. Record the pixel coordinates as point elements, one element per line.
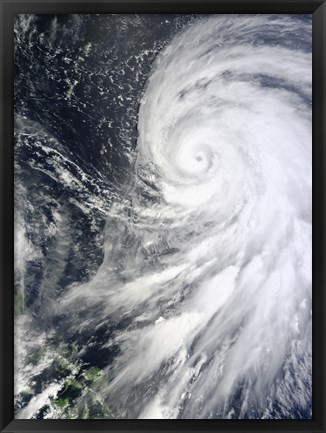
<point>202,303</point>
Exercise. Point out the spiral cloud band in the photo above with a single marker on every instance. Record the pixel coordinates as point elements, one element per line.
<point>219,229</point>
<point>205,288</point>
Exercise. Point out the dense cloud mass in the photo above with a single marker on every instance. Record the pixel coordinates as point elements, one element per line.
<point>202,303</point>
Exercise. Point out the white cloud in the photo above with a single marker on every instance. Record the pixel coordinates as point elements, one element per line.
<point>225,128</point>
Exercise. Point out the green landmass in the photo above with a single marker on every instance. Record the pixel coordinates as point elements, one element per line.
<point>19,304</point>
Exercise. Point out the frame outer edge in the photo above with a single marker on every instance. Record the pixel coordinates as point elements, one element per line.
<point>6,217</point>
<point>318,217</point>
<point>323,126</point>
<point>6,95</point>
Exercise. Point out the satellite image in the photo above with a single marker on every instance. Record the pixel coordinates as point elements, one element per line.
<point>163,208</point>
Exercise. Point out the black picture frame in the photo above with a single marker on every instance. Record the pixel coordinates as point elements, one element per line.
<point>9,8</point>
